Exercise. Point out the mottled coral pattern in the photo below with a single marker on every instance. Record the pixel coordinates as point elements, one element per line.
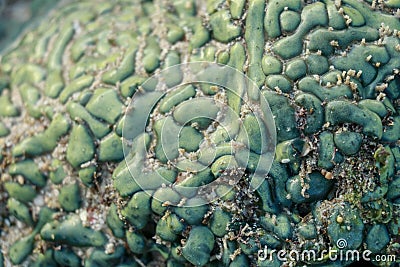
<point>328,69</point>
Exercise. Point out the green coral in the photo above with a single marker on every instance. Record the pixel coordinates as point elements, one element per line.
<point>198,246</point>
<point>72,232</point>
<point>112,156</point>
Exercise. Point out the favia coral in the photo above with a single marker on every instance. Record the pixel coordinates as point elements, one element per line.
<point>118,149</point>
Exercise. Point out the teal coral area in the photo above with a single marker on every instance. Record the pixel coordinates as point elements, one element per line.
<point>328,69</point>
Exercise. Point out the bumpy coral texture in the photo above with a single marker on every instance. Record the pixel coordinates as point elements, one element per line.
<point>329,70</point>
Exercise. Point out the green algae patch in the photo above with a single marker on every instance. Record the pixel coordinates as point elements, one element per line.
<point>7,108</point>
<point>290,20</point>
<point>271,65</point>
<point>110,148</point>
<point>254,134</point>
<point>87,175</point>
<point>198,246</point>
<point>175,97</point>
<point>67,257</point>
<point>80,146</point>
<point>374,106</point>
<point>20,211</point>
<point>312,86</point>
<point>76,86</point>
<point>105,105</point>
<point>78,112</point>
<point>69,197</point>
<point>282,227</point>
<point>72,232</point>
<point>279,82</point>
<point>296,69</point>
<point>57,174</point>
<point>136,242</point>
<point>190,138</point>
<point>314,112</point>
<point>350,229</point>
<point>201,111</point>
<point>30,171</point>
<point>343,111</point>
<point>236,8</point>
<point>312,16</point>
<point>274,9</point>
<point>328,157</point>
<point>319,187</point>
<point>43,142</point>
<point>114,222</point>
<point>163,198</point>
<point>308,231</point>
<point>21,249</point>
<point>194,211</point>
<point>99,257</point>
<point>348,143</point>
<point>223,30</point>
<point>219,222</point>
<point>317,64</point>
<point>222,164</point>
<point>126,68</point>
<point>23,193</point>
<point>167,139</point>
<point>377,238</point>
<point>284,115</point>
<point>151,59</point>
<point>138,210</point>
<point>254,36</point>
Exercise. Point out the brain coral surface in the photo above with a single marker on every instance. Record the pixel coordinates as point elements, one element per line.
<point>202,133</point>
